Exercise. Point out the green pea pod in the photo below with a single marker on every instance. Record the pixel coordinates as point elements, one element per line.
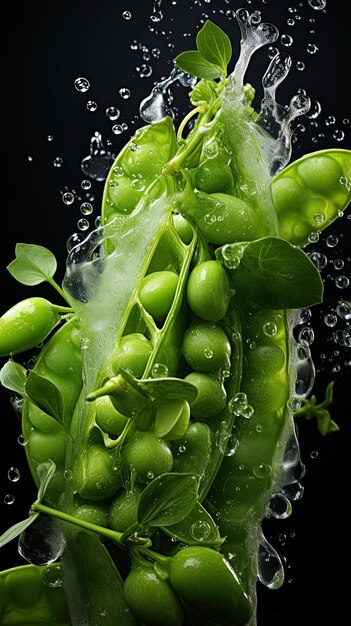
<point>92,584</point>
<point>310,193</point>
<point>33,595</point>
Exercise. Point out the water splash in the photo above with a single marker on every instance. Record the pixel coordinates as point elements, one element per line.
<point>42,542</point>
<point>98,163</point>
<point>158,104</point>
<point>270,567</point>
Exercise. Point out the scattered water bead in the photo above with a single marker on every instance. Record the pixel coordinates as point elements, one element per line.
<point>126,15</point>
<point>86,208</point>
<point>313,237</point>
<point>73,241</point>
<point>124,92</point>
<point>314,110</point>
<point>300,66</point>
<point>85,184</point>
<point>98,163</point>
<point>330,320</point>
<point>279,506</point>
<point>305,316</point>
<point>9,498</point>
<point>270,329</point>
<point>22,440</point>
<point>159,370</point>
<point>294,491</point>
<point>339,135</point>
<point>68,198</point>
<point>330,120</point>
<point>290,21</point>
<point>156,15</point>
<point>306,336</point>
<point>312,48</point>
<point>262,470</point>
<point>338,264</point>
<point>52,576</point>
<point>319,218</point>
<point>50,138</point>
<point>286,40</point>
<point>314,454</point>
<point>342,282</point>
<point>343,310</point>
<point>272,52</point>
<point>232,446</point>
<point>144,70</point>
<point>117,129</point>
<point>270,567</point>
<point>82,84</point>
<point>336,368</point>
<point>57,162</point>
<point>343,337</point>
<point>13,474</point>
<point>318,5</point>
<point>112,113</point>
<point>319,259</point>
<point>91,106</point>
<point>332,241</point>
<point>83,224</point>
<point>238,403</point>
<point>200,530</point>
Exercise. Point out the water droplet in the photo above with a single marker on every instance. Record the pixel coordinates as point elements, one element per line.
<point>52,576</point>
<point>97,165</point>
<point>338,264</point>
<point>157,14</point>
<point>85,184</point>
<point>343,310</point>
<point>294,491</point>
<point>338,135</point>
<point>312,48</point>
<point>50,138</point>
<point>208,353</point>
<point>159,370</point>
<point>9,498</point>
<point>262,470</point>
<point>86,208</point>
<point>58,162</point>
<point>270,329</point>
<point>82,84</point>
<point>144,70</point>
<point>319,259</point>
<point>300,66</point>
<point>332,241</point>
<point>290,21</point>
<point>319,218</point>
<point>13,474</point>
<point>200,530</point>
<point>68,197</point>
<point>112,113</point>
<point>22,440</point>
<point>124,92</point>
<point>342,281</point>
<point>138,184</point>
<point>314,454</point>
<point>314,110</point>
<point>318,5</point>
<point>247,411</point>
<point>83,224</point>
<point>150,475</point>
<point>232,254</point>
<point>42,542</point>
<point>73,241</point>
<point>272,52</point>
<point>182,449</point>
<point>336,368</point>
<point>280,506</point>
<point>126,15</point>
<point>343,337</point>
<point>68,475</point>
<point>330,319</point>
<point>286,40</point>
<point>91,106</point>
<point>237,403</point>
<point>270,567</point>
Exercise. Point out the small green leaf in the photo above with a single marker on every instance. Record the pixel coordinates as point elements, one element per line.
<point>214,45</point>
<point>168,499</point>
<point>195,64</point>
<point>163,388</point>
<point>45,395</point>
<point>45,472</point>
<point>198,527</point>
<point>17,529</point>
<point>14,376</point>
<point>276,275</point>
<point>33,264</point>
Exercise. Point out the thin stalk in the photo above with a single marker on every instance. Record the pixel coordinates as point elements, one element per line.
<point>54,284</point>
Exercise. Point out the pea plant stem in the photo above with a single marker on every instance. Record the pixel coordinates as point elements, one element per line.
<point>60,291</point>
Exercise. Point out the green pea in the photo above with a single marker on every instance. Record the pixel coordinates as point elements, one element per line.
<point>97,479</point>
<point>44,446</point>
<point>192,453</point>
<point>206,347</point>
<point>149,456</point>
<point>289,196</point>
<point>63,358</point>
<point>133,355</point>
<point>183,228</point>
<point>124,195</point>
<point>225,219</point>
<point>124,508</point>
<point>109,420</point>
<point>267,360</point>
<point>152,599</point>
<point>208,291</point>
<point>157,293</point>
<point>266,394</point>
<point>211,396</point>
<point>94,513</point>
<point>321,174</point>
<point>26,325</point>
<point>214,175</point>
<point>24,588</point>
<point>206,581</point>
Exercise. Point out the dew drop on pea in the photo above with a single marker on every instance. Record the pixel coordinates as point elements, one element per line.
<point>13,474</point>
<point>208,353</point>
<point>9,498</point>
<point>68,475</point>
<point>159,370</point>
<point>232,446</point>
<point>247,411</point>
<point>82,84</point>
<point>150,475</point>
<point>200,530</point>
<point>138,184</point>
<point>270,329</point>
<point>182,449</point>
<point>91,106</point>
<point>237,403</point>
<point>319,218</point>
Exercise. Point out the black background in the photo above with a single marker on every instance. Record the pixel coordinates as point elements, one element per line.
<point>47,46</point>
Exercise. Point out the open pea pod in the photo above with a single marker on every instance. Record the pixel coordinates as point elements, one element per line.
<point>34,595</point>
<point>310,193</point>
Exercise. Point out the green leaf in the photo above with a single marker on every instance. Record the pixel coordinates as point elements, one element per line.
<point>14,376</point>
<point>168,499</point>
<point>33,264</point>
<point>198,527</point>
<point>45,395</point>
<point>275,275</point>
<point>162,387</point>
<point>195,64</point>
<point>45,472</point>
<point>17,529</point>
<point>204,91</point>
<point>214,45</point>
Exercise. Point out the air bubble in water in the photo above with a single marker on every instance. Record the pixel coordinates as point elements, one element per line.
<point>97,165</point>
<point>312,48</point>
<point>22,440</point>
<point>50,138</point>
<point>262,470</point>
<point>124,92</point>
<point>338,264</point>
<point>82,84</point>
<point>68,198</point>
<point>319,259</point>
<point>315,110</point>
<point>58,162</point>
<point>112,113</point>
<point>318,5</point>
<point>343,337</point>
<point>13,474</point>
<point>91,106</point>
<point>294,491</point>
<point>272,52</point>
<point>117,129</point>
